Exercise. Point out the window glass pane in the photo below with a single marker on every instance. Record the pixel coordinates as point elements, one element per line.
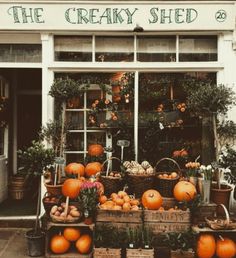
<point>73,48</point>
<point>74,158</point>
<point>197,48</point>
<point>165,123</point>
<point>156,49</point>
<point>75,141</point>
<point>75,120</point>
<point>114,49</point>
<point>20,53</point>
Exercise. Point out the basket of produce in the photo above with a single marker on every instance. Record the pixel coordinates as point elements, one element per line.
<point>140,177</point>
<point>166,180</point>
<point>61,214</point>
<point>49,201</point>
<point>112,180</point>
<point>221,223</point>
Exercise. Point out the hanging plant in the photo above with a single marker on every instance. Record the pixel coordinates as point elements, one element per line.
<point>63,89</point>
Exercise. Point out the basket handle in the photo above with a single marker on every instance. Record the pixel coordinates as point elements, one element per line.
<point>107,160</point>
<point>226,213</point>
<point>169,159</point>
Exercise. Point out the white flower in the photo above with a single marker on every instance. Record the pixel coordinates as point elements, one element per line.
<point>202,167</point>
<point>209,167</point>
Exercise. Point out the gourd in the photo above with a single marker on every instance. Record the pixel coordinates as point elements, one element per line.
<point>152,200</point>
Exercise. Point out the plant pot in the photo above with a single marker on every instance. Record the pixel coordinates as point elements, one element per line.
<point>35,243</point>
<point>181,254</point>
<point>221,196</point>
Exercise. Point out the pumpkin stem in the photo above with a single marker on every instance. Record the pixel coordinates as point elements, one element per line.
<point>221,238</point>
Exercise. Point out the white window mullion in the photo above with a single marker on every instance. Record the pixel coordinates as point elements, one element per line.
<point>85,124</point>
<point>136,87</point>
<point>177,48</point>
<point>93,49</point>
<point>135,48</point>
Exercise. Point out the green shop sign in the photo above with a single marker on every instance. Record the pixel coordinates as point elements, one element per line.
<point>161,16</point>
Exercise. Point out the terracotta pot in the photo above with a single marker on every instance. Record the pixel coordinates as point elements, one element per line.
<point>221,196</point>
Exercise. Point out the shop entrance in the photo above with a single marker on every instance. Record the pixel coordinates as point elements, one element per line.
<point>24,122</point>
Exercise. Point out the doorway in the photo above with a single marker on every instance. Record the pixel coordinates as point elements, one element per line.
<point>25,116</point>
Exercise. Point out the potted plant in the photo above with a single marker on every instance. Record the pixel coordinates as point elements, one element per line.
<point>139,242</point>
<point>204,182</point>
<point>34,160</point>
<point>181,244</point>
<point>192,169</point>
<point>88,201</point>
<point>107,241</point>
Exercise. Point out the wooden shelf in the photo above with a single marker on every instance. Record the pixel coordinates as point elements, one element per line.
<point>71,254</point>
<point>198,230</point>
<point>79,224</point>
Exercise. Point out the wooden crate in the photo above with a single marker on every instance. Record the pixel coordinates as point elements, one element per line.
<point>139,253</point>
<point>106,253</point>
<point>181,254</point>
<point>167,221</point>
<point>119,216</point>
<point>169,202</point>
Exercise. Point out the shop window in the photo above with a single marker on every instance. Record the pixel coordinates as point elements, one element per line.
<point>197,48</point>
<point>20,53</point>
<point>73,48</point>
<point>114,49</point>
<point>156,48</point>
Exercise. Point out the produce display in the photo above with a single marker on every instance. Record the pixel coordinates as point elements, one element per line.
<point>170,175</point>
<point>135,168</point>
<point>58,213</point>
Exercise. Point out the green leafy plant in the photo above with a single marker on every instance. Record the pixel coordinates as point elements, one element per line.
<point>4,111</point>
<point>147,237</point>
<point>64,89</point>
<point>226,131</point>
<point>88,199</point>
<point>204,97</point>
<point>35,159</point>
<point>180,241</point>
<point>134,237</point>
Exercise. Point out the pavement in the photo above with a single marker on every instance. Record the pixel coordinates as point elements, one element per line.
<point>13,243</point>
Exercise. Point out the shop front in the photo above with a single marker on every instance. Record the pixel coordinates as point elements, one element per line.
<point>134,54</point>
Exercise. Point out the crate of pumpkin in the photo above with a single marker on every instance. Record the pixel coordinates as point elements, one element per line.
<point>120,207</point>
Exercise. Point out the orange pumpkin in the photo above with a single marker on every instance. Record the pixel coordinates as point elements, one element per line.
<point>206,246</point>
<point>225,248</point>
<point>75,169</point>
<point>59,245</point>
<point>71,187</point>
<point>152,200</point>
<point>95,150</point>
<point>184,191</point>
<point>93,168</point>
<point>83,244</point>
<point>176,153</point>
<point>183,153</point>
<point>71,234</point>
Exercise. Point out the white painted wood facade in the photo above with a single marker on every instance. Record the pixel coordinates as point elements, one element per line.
<point>53,23</point>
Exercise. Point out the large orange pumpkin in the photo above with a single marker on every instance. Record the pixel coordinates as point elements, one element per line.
<point>71,187</point>
<point>225,248</point>
<point>83,244</point>
<point>93,168</point>
<point>152,200</point>
<point>95,150</point>
<point>59,245</point>
<point>71,234</point>
<point>206,246</point>
<point>75,169</point>
<point>184,191</point>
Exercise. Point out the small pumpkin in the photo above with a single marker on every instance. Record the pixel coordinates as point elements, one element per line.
<point>75,169</point>
<point>83,244</point>
<point>59,245</point>
<point>184,191</point>
<point>71,187</point>
<point>225,248</point>
<point>152,200</point>
<point>71,234</point>
<point>206,246</point>
<point>93,168</point>
<point>95,150</point>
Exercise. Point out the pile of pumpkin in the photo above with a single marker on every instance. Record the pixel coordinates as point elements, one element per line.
<point>208,246</point>
<point>72,236</point>
<point>119,201</point>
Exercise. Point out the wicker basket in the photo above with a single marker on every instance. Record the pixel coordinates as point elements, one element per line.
<point>48,205</point>
<point>166,185</point>
<point>17,194</point>
<point>55,190</point>
<point>106,252</point>
<point>111,184</point>
<point>219,223</point>
<point>138,184</point>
